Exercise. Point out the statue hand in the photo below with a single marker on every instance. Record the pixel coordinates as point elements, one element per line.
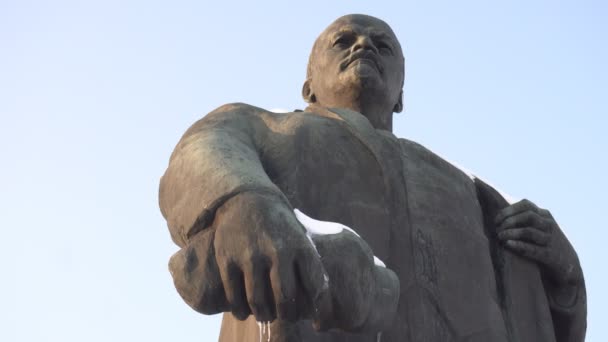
<point>254,259</point>
<point>364,296</point>
<point>533,233</point>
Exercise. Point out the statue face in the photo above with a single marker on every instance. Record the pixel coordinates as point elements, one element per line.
<point>357,58</point>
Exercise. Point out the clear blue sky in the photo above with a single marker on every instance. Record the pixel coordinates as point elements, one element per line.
<point>95,94</point>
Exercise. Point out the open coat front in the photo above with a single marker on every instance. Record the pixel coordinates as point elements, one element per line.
<point>427,220</point>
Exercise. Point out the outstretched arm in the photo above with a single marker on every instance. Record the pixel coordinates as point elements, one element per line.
<point>240,239</point>
<point>216,159</point>
<point>243,250</point>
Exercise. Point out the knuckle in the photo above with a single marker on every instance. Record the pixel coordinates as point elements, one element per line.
<point>520,246</point>
<point>536,220</point>
<point>524,233</point>
<point>529,205</point>
<point>548,224</point>
<point>510,221</point>
<point>533,219</point>
<point>526,202</point>
<point>513,244</point>
<point>528,217</point>
<point>532,250</point>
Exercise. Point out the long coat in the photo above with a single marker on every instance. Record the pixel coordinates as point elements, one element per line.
<point>429,222</point>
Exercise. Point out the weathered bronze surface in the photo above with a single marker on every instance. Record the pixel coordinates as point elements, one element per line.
<point>462,264</point>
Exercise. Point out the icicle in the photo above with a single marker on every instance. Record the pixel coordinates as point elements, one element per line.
<point>264,330</point>
<point>259,331</point>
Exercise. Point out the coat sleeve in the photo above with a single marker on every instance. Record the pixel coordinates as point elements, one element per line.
<point>570,319</point>
<point>217,158</point>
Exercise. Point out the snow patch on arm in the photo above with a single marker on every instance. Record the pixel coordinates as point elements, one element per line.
<point>316,228</point>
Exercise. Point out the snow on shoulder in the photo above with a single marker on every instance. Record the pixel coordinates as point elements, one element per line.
<point>506,196</point>
<point>279,110</point>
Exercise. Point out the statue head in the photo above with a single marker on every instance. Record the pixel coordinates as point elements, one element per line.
<point>357,63</point>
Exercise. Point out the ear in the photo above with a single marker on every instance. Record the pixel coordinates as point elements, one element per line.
<point>399,105</point>
<point>307,93</point>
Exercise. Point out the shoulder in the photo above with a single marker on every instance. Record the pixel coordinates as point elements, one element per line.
<point>423,154</point>
<point>486,191</point>
<point>233,116</point>
<point>228,113</point>
<point>235,109</point>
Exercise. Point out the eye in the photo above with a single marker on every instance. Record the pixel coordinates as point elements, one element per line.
<point>384,48</point>
<point>342,41</point>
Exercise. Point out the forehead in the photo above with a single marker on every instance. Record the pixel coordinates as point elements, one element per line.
<point>359,24</point>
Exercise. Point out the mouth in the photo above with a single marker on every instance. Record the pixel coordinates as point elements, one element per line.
<point>364,57</point>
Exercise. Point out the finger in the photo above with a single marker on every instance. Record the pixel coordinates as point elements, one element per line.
<point>545,213</point>
<point>528,250</point>
<point>197,277</point>
<point>521,206</point>
<point>234,286</point>
<point>313,278</point>
<point>282,277</point>
<point>525,219</point>
<point>259,292</point>
<point>323,315</point>
<point>307,307</point>
<point>527,234</point>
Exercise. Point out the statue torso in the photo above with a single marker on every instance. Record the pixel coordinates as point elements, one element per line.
<point>419,214</point>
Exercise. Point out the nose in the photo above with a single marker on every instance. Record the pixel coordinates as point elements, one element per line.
<point>364,42</point>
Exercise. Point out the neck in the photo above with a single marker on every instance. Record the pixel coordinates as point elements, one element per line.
<point>378,115</point>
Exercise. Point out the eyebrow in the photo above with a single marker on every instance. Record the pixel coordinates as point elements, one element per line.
<point>374,34</point>
<point>380,35</point>
<point>343,30</point>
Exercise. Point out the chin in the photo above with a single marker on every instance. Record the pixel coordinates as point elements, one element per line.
<point>363,82</point>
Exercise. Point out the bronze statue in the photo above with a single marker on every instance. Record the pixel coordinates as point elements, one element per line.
<point>462,264</point>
